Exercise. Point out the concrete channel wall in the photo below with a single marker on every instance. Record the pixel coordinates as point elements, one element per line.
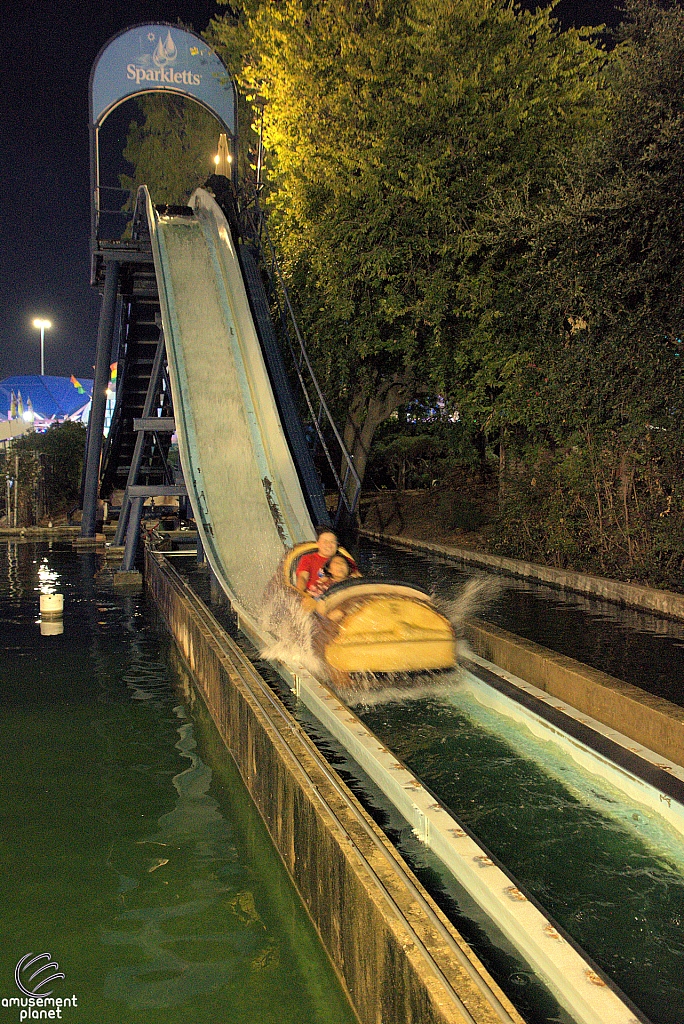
<point>399,958</point>
<point>630,595</point>
<point>651,721</point>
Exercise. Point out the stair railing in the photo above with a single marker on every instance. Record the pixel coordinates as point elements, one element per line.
<point>254,230</point>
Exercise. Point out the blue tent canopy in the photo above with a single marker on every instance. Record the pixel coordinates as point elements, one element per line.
<point>51,397</point>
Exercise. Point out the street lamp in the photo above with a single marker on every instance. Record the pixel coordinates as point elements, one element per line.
<point>43,325</point>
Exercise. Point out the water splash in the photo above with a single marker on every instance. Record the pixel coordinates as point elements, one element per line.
<point>291,629</point>
<point>293,635</point>
<point>477,594</point>
<point>370,690</point>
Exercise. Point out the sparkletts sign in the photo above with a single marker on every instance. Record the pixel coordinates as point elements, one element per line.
<point>160,58</point>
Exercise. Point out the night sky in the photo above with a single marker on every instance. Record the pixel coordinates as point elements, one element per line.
<point>48,49</point>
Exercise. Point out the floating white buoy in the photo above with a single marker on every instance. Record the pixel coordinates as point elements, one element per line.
<point>53,627</point>
<point>51,606</point>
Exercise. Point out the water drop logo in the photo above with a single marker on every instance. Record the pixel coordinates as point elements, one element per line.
<point>33,984</point>
<point>158,65</point>
<point>165,52</point>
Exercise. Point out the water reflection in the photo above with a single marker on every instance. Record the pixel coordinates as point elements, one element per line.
<point>135,855</point>
<point>54,628</point>
<point>48,579</point>
<point>200,934</point>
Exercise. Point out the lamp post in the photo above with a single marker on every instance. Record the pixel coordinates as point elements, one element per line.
<point>43,325</point>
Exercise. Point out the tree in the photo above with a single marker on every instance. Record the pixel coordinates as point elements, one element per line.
<point>171,150</point>
<point>592,412</point>
<point>397,130</point>
<point>49,467</point>
<point>61,450</point>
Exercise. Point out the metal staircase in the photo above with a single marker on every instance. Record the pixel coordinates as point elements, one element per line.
<point>138,341</point>
<point>134,457</point>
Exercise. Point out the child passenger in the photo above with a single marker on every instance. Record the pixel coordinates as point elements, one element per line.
<point>335,570</point>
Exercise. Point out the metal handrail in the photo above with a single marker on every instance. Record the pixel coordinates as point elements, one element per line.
<point>254,228</point>
<point>119,211</point>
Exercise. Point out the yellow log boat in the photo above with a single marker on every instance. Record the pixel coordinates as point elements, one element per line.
<point>370,626</point>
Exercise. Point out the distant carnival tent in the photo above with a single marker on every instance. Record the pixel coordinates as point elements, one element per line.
<point>45,400</point>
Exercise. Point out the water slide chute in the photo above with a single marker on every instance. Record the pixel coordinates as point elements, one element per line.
<point>241,478</point>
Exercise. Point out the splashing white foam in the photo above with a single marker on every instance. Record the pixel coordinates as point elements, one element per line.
<point>400,688</point>
<point>292,630</point>
<point>473,599</point>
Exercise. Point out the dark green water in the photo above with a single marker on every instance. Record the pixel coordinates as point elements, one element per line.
<point>613,891</point>
<point>130,850</point>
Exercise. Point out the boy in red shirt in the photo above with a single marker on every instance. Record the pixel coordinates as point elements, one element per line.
<point>310,567</point>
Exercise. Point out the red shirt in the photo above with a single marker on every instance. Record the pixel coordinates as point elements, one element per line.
<point>313,564</point>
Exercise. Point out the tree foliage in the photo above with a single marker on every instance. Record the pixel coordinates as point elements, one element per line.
<point>397,129</point>
<point>412,452</point>
<point>171,148</point>
<point>592,414</point>
<point>472,203</point>
<point>49,465</point>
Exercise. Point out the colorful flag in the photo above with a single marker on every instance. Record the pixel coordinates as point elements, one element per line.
<point>112,370</point>
<point>13,407</point>
<point>20,404</point>
<point>77,384</point>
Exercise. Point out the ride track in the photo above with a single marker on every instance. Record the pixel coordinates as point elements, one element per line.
<point>229,433</point>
